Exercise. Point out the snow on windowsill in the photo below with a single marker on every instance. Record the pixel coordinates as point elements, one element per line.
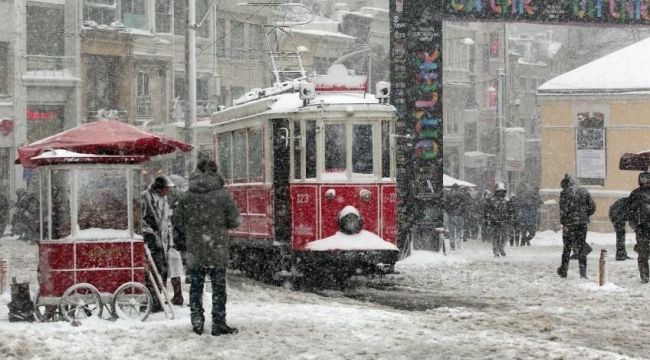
<point>364,240</point>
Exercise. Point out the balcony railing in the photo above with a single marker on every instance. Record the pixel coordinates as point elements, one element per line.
<point>243,55</point>
<point>44,66</point>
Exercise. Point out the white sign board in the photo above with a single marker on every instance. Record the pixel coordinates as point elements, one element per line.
<point>591,155</point>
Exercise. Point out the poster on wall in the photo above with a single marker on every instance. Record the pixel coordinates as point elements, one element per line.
<point>591,155</point>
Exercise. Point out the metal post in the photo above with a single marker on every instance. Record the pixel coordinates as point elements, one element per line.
<point>500,114</point>
<point>190,76</point>
<point>602,268</point>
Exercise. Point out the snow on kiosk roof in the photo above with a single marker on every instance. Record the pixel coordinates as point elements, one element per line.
<point>112,139</point>
<point>606,73</point>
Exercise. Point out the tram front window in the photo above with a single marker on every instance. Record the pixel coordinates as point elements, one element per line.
<point>335,149</point>
<point>362,149</point>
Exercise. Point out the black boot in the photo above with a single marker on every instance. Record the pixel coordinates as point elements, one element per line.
<point>197,324</point>
<point>223,329</point>
<point>178,294</point>
<point>583,271</point>
<point>561,272</point>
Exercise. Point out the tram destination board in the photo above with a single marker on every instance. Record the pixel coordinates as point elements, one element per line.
<point>416,76</point>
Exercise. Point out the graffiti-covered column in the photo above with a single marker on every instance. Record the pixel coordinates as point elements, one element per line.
<point>416,78</point>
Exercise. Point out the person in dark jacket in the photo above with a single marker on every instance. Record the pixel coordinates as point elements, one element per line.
<point>576,206</point>
<point>456,203</point>
<point>155,229</point>
<point>498,214</point>
<point>618,217</point>
<point>202,218</point>
<point>529,215</point>
<point>515,203</point>
<point>482,207</point>
<point>638,214</point>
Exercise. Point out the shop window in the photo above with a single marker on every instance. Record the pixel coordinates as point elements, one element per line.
<point>43,121</point>
<point>143,84</point>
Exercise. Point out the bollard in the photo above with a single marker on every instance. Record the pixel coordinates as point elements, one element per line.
<point>602,268</point>
<point>3,275</point>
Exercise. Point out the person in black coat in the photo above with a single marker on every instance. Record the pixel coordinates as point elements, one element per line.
<point>576,206</point>
<point>618,217</point>
<point>638,214</point>
<point>498,214</point>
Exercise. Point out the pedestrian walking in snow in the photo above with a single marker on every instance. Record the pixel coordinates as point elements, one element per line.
<point>618,217</point>
<point>202,218</point>
<point>515,224</point>
<point>485,227</point>
<point>174,259</point>
<point>529,214</point>
<point>576,206</point>
<point>156,228</point>
<point>456,203</point>
<point>498,214</point>
<point>638,214</point>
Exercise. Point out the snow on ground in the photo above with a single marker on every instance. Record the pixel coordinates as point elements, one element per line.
<point>471,306</point>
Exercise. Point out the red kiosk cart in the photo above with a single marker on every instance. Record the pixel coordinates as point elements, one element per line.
<point>90,252</point>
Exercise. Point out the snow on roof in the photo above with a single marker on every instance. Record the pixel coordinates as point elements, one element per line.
<point>606,73</point>
<point>364,240</point>
<point>59,153</point>
<point>292,102</point>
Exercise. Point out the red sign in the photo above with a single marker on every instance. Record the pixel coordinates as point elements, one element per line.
<point>41,115</point>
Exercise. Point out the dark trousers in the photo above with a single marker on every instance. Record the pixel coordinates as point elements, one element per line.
<point>527,234</point>
<point>575,237</point>
<point>218,281</point>
<point>642,247</point>
<point>499,233</point>
<point>160,260</point>
<point>619,228</point>
<point>515,234</point>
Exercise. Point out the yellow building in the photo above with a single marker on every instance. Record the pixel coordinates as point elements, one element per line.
<point>590,117</point>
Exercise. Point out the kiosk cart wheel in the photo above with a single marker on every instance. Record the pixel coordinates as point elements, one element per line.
<point>81,301</point>
<point>132,301</point>
<point>46,312</point>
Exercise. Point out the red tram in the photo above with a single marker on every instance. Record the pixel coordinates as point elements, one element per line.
<point>311,165</point>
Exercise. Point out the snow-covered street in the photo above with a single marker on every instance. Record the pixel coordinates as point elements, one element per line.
<point>468,305</point>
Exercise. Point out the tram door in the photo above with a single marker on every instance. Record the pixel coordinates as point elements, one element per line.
<point>281,173</point>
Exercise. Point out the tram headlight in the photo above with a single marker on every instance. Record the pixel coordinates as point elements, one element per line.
<point>350,221</point>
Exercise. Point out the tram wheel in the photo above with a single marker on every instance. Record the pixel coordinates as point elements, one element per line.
<point>131,301</point>
<point>81,301</point>
<point>46,312</point>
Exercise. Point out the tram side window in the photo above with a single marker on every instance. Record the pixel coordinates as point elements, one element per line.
<point>335,149</point>
<point>255,154</point>
<point>385,149</point>
<point>61,220</point>
<point>224,156</point>
<point>362,149</point>
<point>310,149</point>
<point>297,161</point>
<point>239,156</point>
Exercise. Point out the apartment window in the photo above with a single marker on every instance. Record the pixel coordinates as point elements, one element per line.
<point>201,11</point>
<point>202,86</point>
<point>221,37</point>
<point>256,42</point>
<point>100,11</point>
<point>143,84</point>
<point>163,16</point>
<point>237,39</point>
<point>133,14</point>
<point>4,70</point>
<point>45,31</point>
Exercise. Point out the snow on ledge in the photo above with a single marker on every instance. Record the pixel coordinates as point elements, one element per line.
<point>102,234</point>
<point>364,240</point>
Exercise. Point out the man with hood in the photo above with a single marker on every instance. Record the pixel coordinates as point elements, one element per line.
<point>155,228</point>
<point>202,217</point>
<point>638,214</point>
<point>576,206</point>
<point>498,215</point>
<point>618,217</point>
